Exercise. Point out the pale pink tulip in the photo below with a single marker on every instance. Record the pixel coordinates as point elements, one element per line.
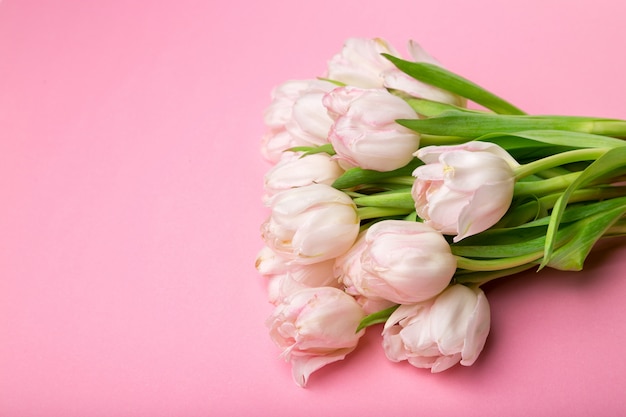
<point>361,64</point>
<point>399,261</point>
<point>463,189</point>
<point>285,278</point>
<point>296,117</point>
<point>311,224</point>
<point>365,132</point>
<point>441,332</point>
<point>315,327</point>
<point>295,170</point>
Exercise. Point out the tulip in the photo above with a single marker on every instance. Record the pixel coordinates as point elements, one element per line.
<point>315,327</point>
<point>365,132</point>
<point>463,189</point>
<point>311,224</point>
<point>285,279</point>
<point>296,117</point>
<point>361,64</point>
<point>399,261</point>
<point>441,332</point>
<point>295,170</point>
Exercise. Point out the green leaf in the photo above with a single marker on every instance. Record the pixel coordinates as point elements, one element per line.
<point>357,176</point>
<point>531,236</point>
<point>572,255</point>
<point>479,278</point>
<point>519,242</point>
<point>375,318</point>
<point>523,149</point>
<point>310,150</point>
<point>553,137</point>
<point>337,83</point>
<point>611,163</point>
<point>474,125</point>
<point>449,81</point>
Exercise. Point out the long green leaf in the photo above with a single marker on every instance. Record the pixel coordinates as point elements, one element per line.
<point>613,161</point>
<point>474,125</point>
<point>449,81</point>
<point>555,137</point>
<point>572,255</point>
<point>531,236</point>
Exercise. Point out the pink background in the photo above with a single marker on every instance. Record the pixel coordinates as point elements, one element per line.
<point>130,186</point>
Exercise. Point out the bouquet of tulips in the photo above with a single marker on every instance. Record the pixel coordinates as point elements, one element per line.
<point>399,188</point>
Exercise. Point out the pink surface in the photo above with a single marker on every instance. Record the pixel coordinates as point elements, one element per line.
<point>130,182</point>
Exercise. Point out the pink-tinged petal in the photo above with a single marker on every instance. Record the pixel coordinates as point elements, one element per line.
<point>301,215</point>
<point>393,345</point>
<point>441,332</point>
<point>463,189</point>
<point>477,330</point>
<point>303,366</point>
<point>467,171</point>
<point>296,170</point>
<point>445,362</point>
<point>489,203</point>
<point>365,132</point>
<point>402,262</point>
<point>401,313</point>
<point>449,318</point>
<point>430,172</point>
<point>360,63</point>
<point>315,327</point>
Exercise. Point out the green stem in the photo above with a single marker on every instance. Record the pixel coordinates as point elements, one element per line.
<point>543,187</point>
<point>497,264</point>
<point>553,172</point>
<point>395,199</point>
<point>482,277</point>
<point>559,159</point>
<point>366,213</point>
<point>615,128</point>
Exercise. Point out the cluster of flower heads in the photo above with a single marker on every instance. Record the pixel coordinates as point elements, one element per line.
<point>367,224</point>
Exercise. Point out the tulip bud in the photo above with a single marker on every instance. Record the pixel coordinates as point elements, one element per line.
<point>441,332</point>
<point>284,279</point>
<point>360,64</point>
<point>315,327</point>
<point>294,170</point>
<point>365,132</point>
<point>399,261</point>
<point>296,117</point>
<point>311,224</point>
<point>463,189</point>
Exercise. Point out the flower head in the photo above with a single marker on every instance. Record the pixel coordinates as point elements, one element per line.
<point>295,170</point>
<point>284,278</point>
<point>311,224</point>
<point>463,189</point>
<point>296,117</point>
<point>315,327</point>
<point>440,332</point>
<point>360,64</point>
<point>399,261</point>
<point>365,132</point>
